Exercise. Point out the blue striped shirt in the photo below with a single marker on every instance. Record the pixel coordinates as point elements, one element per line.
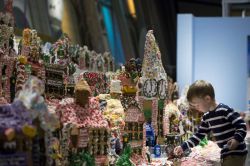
<point>225,124</point>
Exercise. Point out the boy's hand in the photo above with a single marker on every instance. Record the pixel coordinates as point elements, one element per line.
<point>178,151</point>
<point>232,144</point>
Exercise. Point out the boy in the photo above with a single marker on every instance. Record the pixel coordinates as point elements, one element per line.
<point>227,126</point>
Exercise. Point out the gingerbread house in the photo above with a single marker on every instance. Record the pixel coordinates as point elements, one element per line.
<point>134,121</point>
<point>58,82</point>
<point>60,71</point>
<point>87,127</point>
<point>23,126</point>
<point>14,145</point>
<point>97,81</point>
<point>129,76</point>
<point>55,79</point>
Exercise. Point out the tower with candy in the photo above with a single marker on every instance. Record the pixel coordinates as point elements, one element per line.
<point>153,82</point>
<point>29,59</point>
<point>7,26</point>
<point>7,53</point>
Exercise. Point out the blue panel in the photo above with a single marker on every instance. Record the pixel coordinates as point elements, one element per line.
<point>185,50</point>
<point>119,54</point>
<point>109,26</point>
<point>114,39</point>
<point>219,56</point>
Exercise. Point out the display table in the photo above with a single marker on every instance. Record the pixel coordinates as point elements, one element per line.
<point>209,155</point>
<point>160,162</point>
<point>157,162</point>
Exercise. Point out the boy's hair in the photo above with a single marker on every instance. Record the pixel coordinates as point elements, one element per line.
<point>200,88</point>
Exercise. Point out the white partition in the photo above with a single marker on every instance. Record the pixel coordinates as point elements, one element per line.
<point>215,49</point>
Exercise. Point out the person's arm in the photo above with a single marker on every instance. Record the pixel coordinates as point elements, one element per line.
<point>203,130</point>
<point>238,123</point>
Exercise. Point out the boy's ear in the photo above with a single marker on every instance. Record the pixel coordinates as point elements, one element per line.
<point>207,98</point>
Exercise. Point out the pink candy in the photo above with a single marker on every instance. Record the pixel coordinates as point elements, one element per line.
<point>72,113</point>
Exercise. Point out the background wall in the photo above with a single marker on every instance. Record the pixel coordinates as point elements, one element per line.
<point>70,22</point>
<point>214,49</point>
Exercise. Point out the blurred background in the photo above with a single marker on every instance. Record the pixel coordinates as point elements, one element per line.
<point>116,25</point>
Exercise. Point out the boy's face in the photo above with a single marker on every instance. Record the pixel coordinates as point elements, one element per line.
<point>201,104</point>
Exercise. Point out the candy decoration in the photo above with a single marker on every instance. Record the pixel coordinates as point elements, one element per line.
<point>96,81</point>
<point>9,133</point>
<point>9,63</point>
<point>29,130</point>
<point>21,77</point>
<point>128,100</point>
<point>114,113</point>
<point>1,67</point>
<point>48,143</point>
<point>65,144</point>
<point>26,37</point>
<point>82,117</point>
<point>22,60</point>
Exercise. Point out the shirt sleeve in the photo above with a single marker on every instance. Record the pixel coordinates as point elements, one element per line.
<point>238,123</point>
<point>203,130</point>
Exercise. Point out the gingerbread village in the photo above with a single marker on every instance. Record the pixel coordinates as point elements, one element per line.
<point>65,105</point>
